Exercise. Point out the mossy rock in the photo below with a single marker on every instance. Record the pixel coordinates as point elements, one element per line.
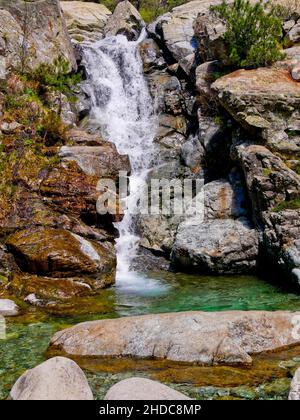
<point>59,253</point>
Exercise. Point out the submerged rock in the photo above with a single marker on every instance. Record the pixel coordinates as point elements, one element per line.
<point>58,378</point>
<point>8,308</point>
<point>142,389</point>
<point>202,337</point>
<point>295,386</point>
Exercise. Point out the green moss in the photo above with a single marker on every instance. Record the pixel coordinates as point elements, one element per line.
<point>293,204</point>
<point>267,171</point>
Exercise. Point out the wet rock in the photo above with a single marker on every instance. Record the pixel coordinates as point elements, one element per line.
<point>201,337</point>
<point>85,20</point>
<point>295,386</point>
<point>217,246</point>
<point>58,253</point>
<point>125,20</point>
<point>46,41</point>
<point>8,308</point>
<point>58,378</point>
<point>142,389</point>
<point>50,289</point>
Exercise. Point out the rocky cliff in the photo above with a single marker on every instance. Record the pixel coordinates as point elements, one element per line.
<point>239,132</point>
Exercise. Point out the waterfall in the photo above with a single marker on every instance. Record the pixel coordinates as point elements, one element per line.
<point>123,109</point>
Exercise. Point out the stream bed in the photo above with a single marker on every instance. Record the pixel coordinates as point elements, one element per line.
<point>28,335</point>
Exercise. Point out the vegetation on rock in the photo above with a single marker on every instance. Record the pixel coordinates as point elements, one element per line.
<point>253,32</point>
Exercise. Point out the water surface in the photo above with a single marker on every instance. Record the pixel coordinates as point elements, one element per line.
<point>28,335</point>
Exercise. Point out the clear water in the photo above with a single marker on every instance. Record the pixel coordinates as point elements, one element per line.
<point>29,334</point>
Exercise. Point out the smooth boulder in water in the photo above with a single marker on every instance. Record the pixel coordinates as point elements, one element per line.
<point>142,389</point>
<point>58,378</point>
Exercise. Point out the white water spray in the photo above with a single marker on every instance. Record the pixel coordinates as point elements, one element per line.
<point>124,110</point>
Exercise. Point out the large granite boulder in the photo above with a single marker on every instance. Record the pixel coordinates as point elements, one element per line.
<point>59,253</point>
<point>58,378</point>
<point>218,246</point>
<point>175,30</point>
<point>202,337</point>
<point>85,20</point>
<point>125,20</point>
<point>274,193</point>
<point>265,101</point>
<point>295,387</point>
<point>32,33</point>
<point>142,389</point>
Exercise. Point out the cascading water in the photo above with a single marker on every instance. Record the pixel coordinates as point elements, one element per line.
<point>123,109</point>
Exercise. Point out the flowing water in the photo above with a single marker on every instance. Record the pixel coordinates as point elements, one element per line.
<point>123,110</point>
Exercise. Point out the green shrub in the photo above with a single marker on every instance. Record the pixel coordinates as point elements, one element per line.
<point>293,204</point>
<point>253,32</point>
<point>55,77</point>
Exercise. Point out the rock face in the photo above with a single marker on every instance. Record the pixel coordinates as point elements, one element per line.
<point>258,99</point>
<point>85,20</point>
<point>201,337</point>
<point>125,20</point>
<point>55,244</point>
<point>216,246</point>
<point>32,33</point>
<point>8,308</point>
<point>56,379</point>
<point>295,387</point>
<point>175,30</point>
<point>270,183</point>
<point>142,389</point>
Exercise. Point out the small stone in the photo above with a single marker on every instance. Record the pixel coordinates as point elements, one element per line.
<point>8,308</point>
<point>9,128</point>
<point>142,389</point>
